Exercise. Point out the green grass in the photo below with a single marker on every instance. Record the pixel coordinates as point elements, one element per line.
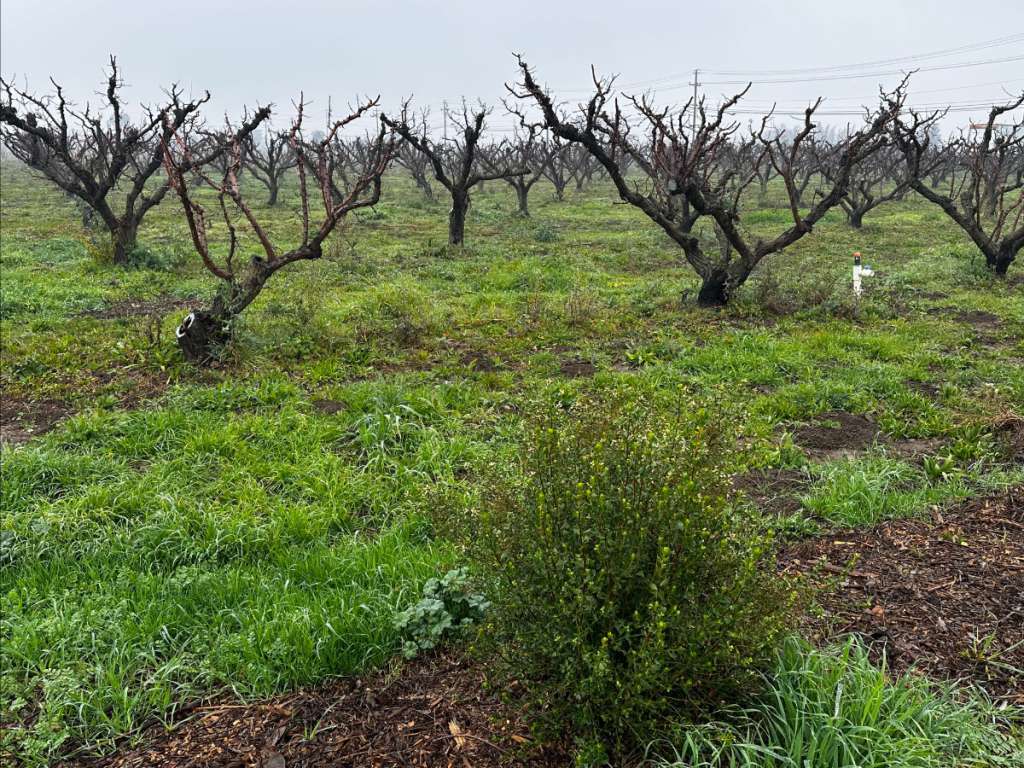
<point>834,708</point>
<point>189,532</point>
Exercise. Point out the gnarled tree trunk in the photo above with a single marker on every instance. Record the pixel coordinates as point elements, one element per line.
<point>715,289</point>
<point>124,238</point>
<point>202,335</point>
<point>1005,256</point>
<point>523,198</point>
<point>457,218</point>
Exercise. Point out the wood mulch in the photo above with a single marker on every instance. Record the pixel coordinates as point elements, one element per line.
<point>944,595</point>
<point>436,712</point>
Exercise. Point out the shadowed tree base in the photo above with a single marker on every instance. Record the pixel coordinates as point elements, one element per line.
<point>202,336</point>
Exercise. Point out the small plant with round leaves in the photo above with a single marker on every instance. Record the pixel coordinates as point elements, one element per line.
<point>448,607</point>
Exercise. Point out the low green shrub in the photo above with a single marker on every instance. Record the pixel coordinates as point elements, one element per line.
<point>627,591</point>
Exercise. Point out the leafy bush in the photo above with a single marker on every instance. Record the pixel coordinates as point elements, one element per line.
<point>834,707</point>
<point>447,607</point>
<point>627,591</point>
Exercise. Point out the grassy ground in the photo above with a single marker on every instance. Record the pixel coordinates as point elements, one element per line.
<point>257,526</point>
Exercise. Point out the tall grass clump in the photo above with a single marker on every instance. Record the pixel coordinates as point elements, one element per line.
<point>834,707</point>
<point>627,593</point>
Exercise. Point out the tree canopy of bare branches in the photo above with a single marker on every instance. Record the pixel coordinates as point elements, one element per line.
<point>523,151</point>
<point>456,163</point>
<point>416,163</point>
<point>696,167</point>
<point>556,166</point>
<point>324,200</point>
<point>878,180</point>
<point>97,155</point>
<point>985,172</point>
<point>268,160</point>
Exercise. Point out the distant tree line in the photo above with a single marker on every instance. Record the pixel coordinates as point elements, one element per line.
<point>689,168</point>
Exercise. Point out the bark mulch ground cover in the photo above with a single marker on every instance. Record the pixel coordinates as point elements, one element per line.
<point>945,596</point>
<point>436,712</point>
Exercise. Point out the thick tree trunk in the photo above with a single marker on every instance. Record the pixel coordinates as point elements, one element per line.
<point>202,336</point>
<point>1003,258</point>
<point>714,290</point>
<point>125,240</point>
<point>523,195</point>
<point>457,219</point>
<point>425,188</point>
<point>272,198</point>
<point>856,219</point>
<point>560,192</point>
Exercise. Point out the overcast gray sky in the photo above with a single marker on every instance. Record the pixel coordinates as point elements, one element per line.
<point>261,51</point>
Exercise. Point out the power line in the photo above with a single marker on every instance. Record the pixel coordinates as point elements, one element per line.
<point>996,43</point>
<point>862,76</point>
<point>673,80</point>
<point>916,92</point>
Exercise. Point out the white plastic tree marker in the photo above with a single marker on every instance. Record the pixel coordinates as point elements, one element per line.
<point>859,272</point>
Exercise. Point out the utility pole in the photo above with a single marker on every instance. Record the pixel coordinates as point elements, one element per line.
<point>693,107</point>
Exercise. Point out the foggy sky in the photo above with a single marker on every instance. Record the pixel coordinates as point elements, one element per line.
<point>259,51</point>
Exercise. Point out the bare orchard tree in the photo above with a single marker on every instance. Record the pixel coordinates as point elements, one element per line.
<point>523,151</point>
<point>417,163</point>
<point>269,158</point>
<point>583,165</point>
<point>694,174</point>
<point>456,163</point>
<point>98,155</point>
<point>878,180</point>
<point>556,168</point>
<point>985,196</point>
<point>204,332</point>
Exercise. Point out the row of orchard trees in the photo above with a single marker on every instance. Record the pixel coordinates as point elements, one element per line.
<point>684,167</point>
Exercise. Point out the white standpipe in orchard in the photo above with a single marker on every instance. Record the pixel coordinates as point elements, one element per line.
<point>858,273</point>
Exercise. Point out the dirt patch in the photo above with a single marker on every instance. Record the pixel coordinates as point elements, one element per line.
<point>21,420</point>
<point>975,317</point>
<point>773,491</point>
<point>945,595</point>
<point>838,434</point>
<point>479,361</point>
<point>126,308</point>
<point>926,388</point>
<point>328,406</point>
<point>1009,431</point>
<point>979,319</point>
<point>577,368</point>
<point>915,447</point>
<point>437,712</point>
